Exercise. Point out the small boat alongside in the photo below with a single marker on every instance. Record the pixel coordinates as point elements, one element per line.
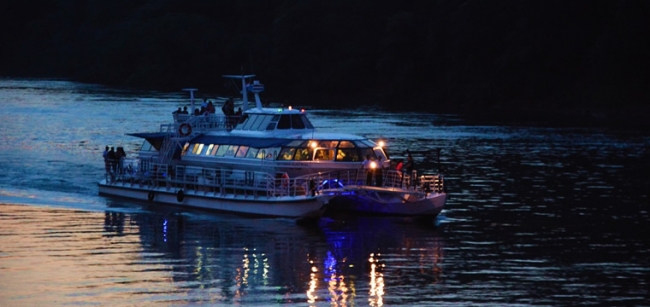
<point>401,195</point>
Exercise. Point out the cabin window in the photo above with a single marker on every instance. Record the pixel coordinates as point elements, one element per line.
<point>262,124</point>
<point>251,122</point>
<point>185,147</point>
<point>346,144</point>
<point>273,123</point>
<point>243,118</point>
<point>209,149</point>
<point>197,148</point>
<point>303,154</point>
<point>221,151</point>
<point>146,146</point>
<point>328,144</point>
<point>365,143</point>
<point>286,154</point>
<point>347,155</point>
<point>232,149</point>
<point>324,154</point>
<point>306,122</point>
<point>296,122</point>
<point>252,152</point>
<point>241,152</point>
<point>214,150</point>
<point>272,152</point>
<point>368,151</point>
<point>296,143</point>
<point>285,122</point>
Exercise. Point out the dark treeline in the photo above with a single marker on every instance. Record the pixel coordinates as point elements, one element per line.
<point>571,55</point>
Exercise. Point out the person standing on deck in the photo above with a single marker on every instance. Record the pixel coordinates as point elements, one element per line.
<point>107,164</point>
<point>410,167</point>
<point>367,167</point>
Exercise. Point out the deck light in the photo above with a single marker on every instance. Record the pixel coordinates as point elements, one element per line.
<point>381,143</point>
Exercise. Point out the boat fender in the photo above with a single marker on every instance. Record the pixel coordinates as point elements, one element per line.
<point>185,129</point>
<point>151,195</point>
<point>180,195</point>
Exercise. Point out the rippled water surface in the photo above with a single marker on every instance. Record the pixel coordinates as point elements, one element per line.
<point>537,216</point>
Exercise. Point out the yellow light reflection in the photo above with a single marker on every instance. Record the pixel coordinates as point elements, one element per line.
<point>376,292</point>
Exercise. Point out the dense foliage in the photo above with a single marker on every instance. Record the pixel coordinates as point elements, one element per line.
<point>425,53</point>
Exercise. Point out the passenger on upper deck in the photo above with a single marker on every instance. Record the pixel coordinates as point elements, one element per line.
<point>185,110</point>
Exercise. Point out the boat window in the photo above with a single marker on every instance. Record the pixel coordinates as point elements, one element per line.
<point>252,152</point>
<point>273,123</point>
<point>303,154</point>
<point>306,122</point>
<point>243,118</point>
<point>380,153</point>
<point>296,122</point>
<point>368,151</point>
<point>209,149</point>
<point>346,144</point>
<point>232,149</point>
<point>272,152</point>
<point>324,154</point>
<point>241,152</point>
<point>261,123</point>
<point>197,148</point>
<point>364,143</point>
<point>328,144</point>
<point>285,122</point>
<point>261,154</point>
<point>185,147</point>
<point>221,151</point>
<point>347,155</point>
<point>296,143</point>
<point>146,146</point>
<point>214,150</point>
<point>286,154</point>
<point>251,122</point>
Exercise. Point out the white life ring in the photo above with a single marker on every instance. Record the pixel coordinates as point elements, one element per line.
<point>185,129</point>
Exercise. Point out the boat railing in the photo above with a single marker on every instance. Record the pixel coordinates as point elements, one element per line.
<point>212,181</point>
<point>389,179</point>
<point>201,123</point>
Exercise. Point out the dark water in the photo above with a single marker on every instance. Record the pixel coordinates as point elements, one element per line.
<point>537,216</point>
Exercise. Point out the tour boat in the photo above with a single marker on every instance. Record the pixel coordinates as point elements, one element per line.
<point>264,160</point>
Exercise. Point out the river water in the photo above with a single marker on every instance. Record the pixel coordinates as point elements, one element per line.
<point>537,216</point>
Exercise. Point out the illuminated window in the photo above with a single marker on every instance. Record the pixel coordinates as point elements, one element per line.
<point>347,155</point>
<point>241,152</point>
<point>214,150</point>
<point>303,154</point>
<point>209,150</point>
<point>232,149</point>
<point>286,154</point>
<point>197,149</point>
<point>324,154</point>
<point>221,151</point>
<point>252,152</point>
<point>346,144</point>
<point>328,144</point>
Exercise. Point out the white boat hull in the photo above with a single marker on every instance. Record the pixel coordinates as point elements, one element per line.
<point>301,207</point>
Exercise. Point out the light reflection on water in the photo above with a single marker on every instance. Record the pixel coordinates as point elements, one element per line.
<point>536,216</point>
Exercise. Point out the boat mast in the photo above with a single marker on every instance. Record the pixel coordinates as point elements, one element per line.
<point>255,88</point>
<point>191,90</point>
